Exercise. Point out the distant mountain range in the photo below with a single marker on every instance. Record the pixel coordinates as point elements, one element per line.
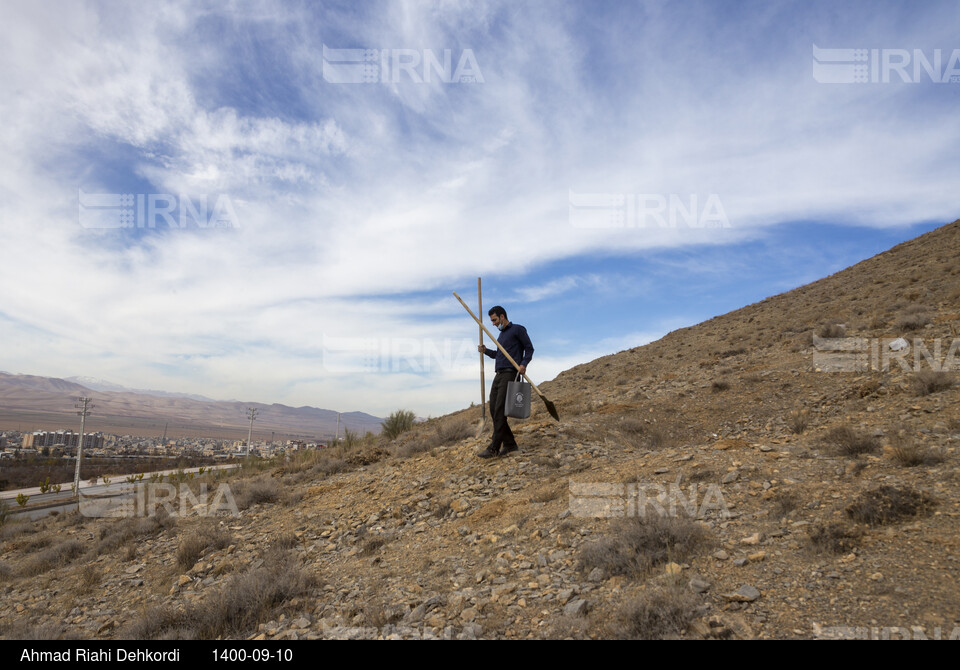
<point>29,402</point>
<point>103,385</point>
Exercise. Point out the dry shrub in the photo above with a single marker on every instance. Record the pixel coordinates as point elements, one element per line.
<point>256,491</point>
<point>24,630</point>
<point>127,530</point>
<point>378,615</point>
<point>657,438</point>
<point>232,611</point>
<point>916,309</point>
<point>6,573</point>
<point>633,426</point>
<point>546,461</point>
<point>71,519</point>
<point>639,543</point>
<point>442,510</point>
<point>926,382</point>
<point>313,462</point>
<point>833,330</point>
<point>300,461</point>
<point>720,385</point>
<point>447,432</point>
<point>798,420</point>
<point>579,405</point>
<point>784,503</point>
<point>835,538</point>
<point>370,546</point>
<point>328,466</point>
<point>656,614</point>
<point>904,451</point>
<point>637,432</point>
<point>193,546</point>
<point>889,504</point>
<point>15,529</point>
<point>413,446</point>
<point>53,557</point>
<point>90,576</point>
<point>547,494</point>
<point>846,441</point>
<point>284,541</point>
<point>453,430</point>
<point>366,455</point>
<point>36,543</point>
<point>913,322</point>
<point>246,598</point>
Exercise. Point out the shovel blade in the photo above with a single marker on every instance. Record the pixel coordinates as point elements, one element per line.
<point>550,407</point>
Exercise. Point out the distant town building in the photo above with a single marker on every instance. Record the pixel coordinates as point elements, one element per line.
<point>64,438</point>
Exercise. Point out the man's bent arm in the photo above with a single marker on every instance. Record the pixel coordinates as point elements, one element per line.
<point>527,347</point>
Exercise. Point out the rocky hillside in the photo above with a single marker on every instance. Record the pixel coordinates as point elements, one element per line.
<point>793,501</point>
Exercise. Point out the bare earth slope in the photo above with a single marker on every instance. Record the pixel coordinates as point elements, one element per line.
<point>824,503</point>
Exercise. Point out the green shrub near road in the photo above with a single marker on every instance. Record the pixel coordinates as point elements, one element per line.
<point>398,423</point>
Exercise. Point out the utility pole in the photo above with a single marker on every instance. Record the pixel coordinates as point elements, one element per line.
<point>251,414</point>
<point>337,440</point>
<point>84,410</point>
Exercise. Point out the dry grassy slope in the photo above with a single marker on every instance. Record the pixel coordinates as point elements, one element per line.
<point>426,539</point>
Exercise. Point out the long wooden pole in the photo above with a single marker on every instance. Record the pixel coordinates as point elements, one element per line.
<point>483,383</point>
<point>550,406</point>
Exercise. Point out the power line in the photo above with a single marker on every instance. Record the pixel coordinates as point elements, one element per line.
<point>252,415</point>
<point>84,411</point>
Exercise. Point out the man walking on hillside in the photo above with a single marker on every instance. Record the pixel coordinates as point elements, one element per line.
<point>513,337</point>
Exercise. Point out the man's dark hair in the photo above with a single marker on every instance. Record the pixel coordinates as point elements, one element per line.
<point>498,310</point>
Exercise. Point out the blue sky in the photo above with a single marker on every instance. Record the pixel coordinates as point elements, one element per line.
<point>613,171</point>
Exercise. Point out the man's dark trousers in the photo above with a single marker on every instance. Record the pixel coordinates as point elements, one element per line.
<point>502,435</point>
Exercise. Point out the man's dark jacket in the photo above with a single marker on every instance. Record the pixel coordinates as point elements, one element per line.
<point>515,340</point>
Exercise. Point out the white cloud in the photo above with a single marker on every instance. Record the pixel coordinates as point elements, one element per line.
<point>352,198</point>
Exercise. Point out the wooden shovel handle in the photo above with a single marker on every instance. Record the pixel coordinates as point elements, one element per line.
<point>499,346</point>
<point>483,383</point>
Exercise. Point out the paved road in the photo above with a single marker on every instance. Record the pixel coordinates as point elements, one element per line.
<point>41,504</point>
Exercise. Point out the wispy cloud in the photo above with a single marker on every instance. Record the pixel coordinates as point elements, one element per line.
<point>360,207</point>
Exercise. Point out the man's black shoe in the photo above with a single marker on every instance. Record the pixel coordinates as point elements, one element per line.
<point>506,451</point>
<point>487,453</point>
